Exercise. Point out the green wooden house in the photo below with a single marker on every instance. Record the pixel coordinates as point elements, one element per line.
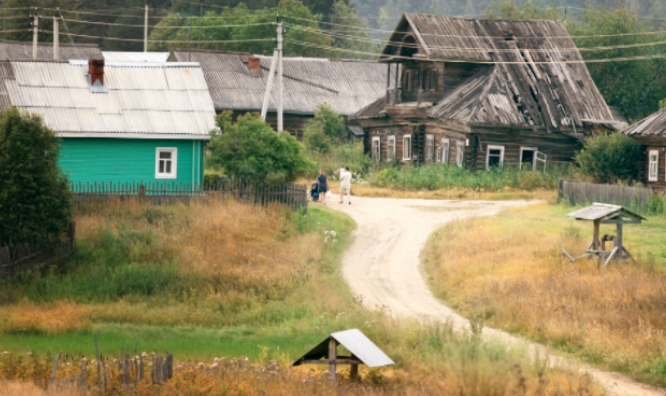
<point>119,121</point>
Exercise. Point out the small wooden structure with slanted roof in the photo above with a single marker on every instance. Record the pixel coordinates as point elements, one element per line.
<point>363,351</point>
<point>601,213</point>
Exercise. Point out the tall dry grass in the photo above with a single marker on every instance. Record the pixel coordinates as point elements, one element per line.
<point>239,377</point>
<point>509,272</point>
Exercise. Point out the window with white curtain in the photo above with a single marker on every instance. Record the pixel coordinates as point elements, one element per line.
<point>430,148</point>
<point>407,147</point>
<point>654,165</point>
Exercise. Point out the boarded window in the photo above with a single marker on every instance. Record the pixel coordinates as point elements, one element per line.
<point>165,162</point>
<point>390,152</point>
<point>407,147</point>
<point>654,166</point>
<point>445,151</point>
<point>494,157</point>
<point>430,148</point>
<point>376,148</point>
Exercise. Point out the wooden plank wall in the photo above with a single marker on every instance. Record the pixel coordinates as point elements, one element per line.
<point>587,193</point>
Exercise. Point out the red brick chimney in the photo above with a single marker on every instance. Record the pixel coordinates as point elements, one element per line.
<point>254,65</point>
<point>96,70</point>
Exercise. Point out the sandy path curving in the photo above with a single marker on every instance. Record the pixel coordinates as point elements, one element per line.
<point>383,267</point>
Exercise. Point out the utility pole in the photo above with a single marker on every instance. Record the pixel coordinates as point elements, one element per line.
<point>56,38</point>
<point>279,52</point>
<point>269,86</point>
<point>35,35</point>
<point>145,30</point>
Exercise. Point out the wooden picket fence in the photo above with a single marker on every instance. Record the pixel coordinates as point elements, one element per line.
<point>16,258</point>
<point>292,195</point>
<point>586,193</point>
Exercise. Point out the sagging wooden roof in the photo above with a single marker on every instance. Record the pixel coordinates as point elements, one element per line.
<point>347,85</point>
<point>528,73</point>
<point>22,50</point>
<point>651,126</point>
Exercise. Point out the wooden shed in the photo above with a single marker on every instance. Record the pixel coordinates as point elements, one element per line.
<point>483,93</point>
<point>650,133</point>
<point>363,351</point>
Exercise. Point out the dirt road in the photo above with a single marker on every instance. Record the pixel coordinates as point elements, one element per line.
<point>383,267</point>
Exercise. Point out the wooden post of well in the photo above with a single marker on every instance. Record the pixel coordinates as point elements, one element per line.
<point>353,371</point>
<point>332,355</point>
<point>595,235</point>
<point>618,239</point>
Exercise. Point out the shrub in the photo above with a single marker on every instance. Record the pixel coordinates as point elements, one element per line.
<point>348,154</point>
<point>327,127</point>
<point>250,149</point>
<point>610,158</point>
<point>34,196</point>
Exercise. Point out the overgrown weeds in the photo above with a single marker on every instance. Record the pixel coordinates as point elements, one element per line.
<point>466,366</point>
<point>511,272</point>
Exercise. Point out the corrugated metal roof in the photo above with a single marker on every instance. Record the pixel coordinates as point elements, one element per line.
<point>545,93</point>
<point>598,211</point>
<point>165,99</point>
<point>22,50</point>
<point>117,56</point>
<point>347,85</point>
<point>357,343</point>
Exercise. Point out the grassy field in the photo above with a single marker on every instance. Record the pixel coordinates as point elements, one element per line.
<point>509,272</point>
<point>225,279</point>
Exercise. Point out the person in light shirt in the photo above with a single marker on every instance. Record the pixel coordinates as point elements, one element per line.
<point>345,185</point>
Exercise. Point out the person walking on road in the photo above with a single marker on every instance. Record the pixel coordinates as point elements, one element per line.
<point>345,185</point>
<point>322,181</point>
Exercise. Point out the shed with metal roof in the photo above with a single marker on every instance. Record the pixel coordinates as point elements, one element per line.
<point>346,85</point>
<point>363,351</point>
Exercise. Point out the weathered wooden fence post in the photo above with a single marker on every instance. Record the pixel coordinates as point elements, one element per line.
<point>560,190</point>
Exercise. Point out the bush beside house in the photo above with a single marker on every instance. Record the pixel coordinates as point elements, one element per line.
<point>35,200</point>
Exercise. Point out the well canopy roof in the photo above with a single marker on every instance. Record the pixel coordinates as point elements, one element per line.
<point>598,211</point>
<point>357,343</point>
<point>346,85</point>
<point>144,100</point>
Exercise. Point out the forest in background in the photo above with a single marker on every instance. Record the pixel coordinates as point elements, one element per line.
<point>359,28</point>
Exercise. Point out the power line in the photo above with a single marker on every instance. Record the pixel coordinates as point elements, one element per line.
<point>607,60</point>
<point>170,27</point>
<point>488,37</point>
<point>165,41</point>
<point>342,33</point>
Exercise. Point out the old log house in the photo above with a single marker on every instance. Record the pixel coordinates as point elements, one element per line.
<point>650,133</point>
<point>237,82</point>
<point>483,93</point>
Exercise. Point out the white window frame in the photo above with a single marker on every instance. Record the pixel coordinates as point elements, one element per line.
<point>174,163</point>
<point>653,166</point>
<point>438,155</point>
<point>445,152</point>
<point>407,148</point>
<point>430,148</point>
<point>501,160</point>
<point>460,153</point>
<point>376,148</point>
<point>390,148</point>
<point>520,166</point>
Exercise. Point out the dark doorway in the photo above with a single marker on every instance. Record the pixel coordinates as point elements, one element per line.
<point>527,159</point>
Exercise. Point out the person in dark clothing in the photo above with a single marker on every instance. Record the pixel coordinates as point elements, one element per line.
<point>323,186</point>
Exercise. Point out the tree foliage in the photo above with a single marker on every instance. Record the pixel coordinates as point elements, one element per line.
<point>326,128</point>
<point>251,149</point>
<point>34,194</point>
<point>610,158</point>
